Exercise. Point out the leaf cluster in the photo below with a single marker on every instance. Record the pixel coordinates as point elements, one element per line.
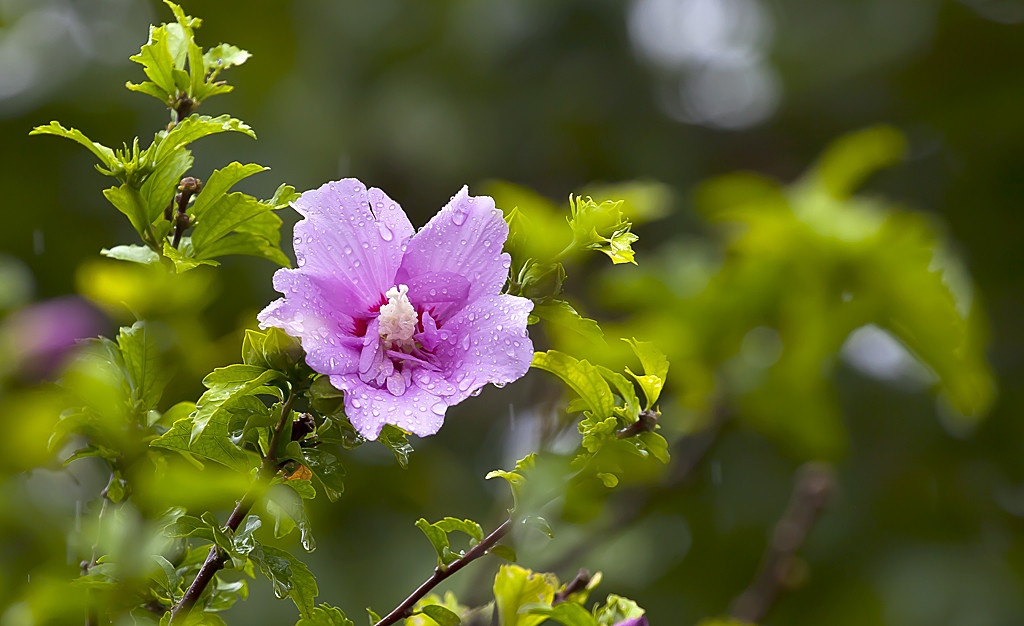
<point>615,423</point>
<point>153,195</point>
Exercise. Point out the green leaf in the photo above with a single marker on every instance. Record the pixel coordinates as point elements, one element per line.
<point>283,197</point>
<point>188,526</point>
<point>105,154</point>
<point>161,185</point>
<point>327,468</point>
<point>220,538</point>
<point>289,576</point>
<point>567,613</point>
<point>562,313</point>
<point>515,587</point>
<point>396,440</point>
<point>232,211</point>
<point>619,248</point>
<point>601,227</point>
<point>288,511</point>
<point>182,256</point>
<point>196,127</point>
<point>581,376</point>
<point>158,64</point>
<point>226,385</point>
<point>625,390</point>
<point>132,253</point>
<point>93,450</point>
<point>214,443</point>
<point>243,541</point>
<point>224,55</point>
<point>515,478</point>
<point>616,609</point>
<point>439,539</point>
<point>220,182</point>
<point>142,363</point>
<point>503,551</point>
<point>655,367</point>
<point>539,523</point>
<point>441,615</point>
<point>467,526</point>
<point>164,575</point>
<point>325,615</point>
<point>128,201</point>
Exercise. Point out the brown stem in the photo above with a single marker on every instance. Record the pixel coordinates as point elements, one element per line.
<point>215,560</point>
<point>405,608</point>
<point>815,484</point>
<point>579,583</point>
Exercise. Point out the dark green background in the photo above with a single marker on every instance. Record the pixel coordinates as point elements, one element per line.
<point>419,98</point>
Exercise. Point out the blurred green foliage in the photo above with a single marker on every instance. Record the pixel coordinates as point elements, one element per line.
<point>821,313</point>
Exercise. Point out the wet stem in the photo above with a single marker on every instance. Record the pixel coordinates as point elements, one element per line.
<point>404,609</point>
<point>215,560</point>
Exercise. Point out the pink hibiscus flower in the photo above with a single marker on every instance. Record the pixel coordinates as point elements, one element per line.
<point>406,324</point>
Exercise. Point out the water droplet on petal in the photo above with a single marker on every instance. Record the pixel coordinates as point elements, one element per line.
<point>301,261</point>
<point>385,232</point>
<point>439,408</point>
<point>355,401</point>
<point>465,342</point>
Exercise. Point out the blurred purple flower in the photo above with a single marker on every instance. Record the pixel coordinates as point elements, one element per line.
<point>406,325</point>
<point>634,621</point>
<point>38,337</point>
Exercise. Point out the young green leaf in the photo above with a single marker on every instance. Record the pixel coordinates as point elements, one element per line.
<point>289,576</point>
<point>158,64</point>
<point>325,615</point>
<point>581,376</point>
<point>142,363</point>
<point>132,253</point>
<point>443,616</point>
<point>515,587</point>
<point>566,613</point>
<point>103,153</point>
<point>129,201</point>
<point>226,385</point>
<point>439,540</point>
<point>214,443</point>
<point>655,368</point>
<point>326,466</point>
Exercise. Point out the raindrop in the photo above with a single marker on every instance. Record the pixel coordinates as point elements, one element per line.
<point>465,384</point>
<point>439,408</point>
<point>465,342</point>
<point>355,263</point>
<point>433,292</point>
<point>459,215</point>
<point>355,401</point>
<point>385,232</point>
<point>301,261</point>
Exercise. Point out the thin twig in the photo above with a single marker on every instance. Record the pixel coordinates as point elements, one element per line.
<point>215,560</point>
<point>815,484</point>
<point>405,608</point>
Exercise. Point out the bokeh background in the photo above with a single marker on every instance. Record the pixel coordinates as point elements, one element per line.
<point>420,98</point>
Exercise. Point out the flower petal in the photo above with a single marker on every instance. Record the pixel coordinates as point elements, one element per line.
<point>369,408</point>
<point>310,313</point>
<point>487,343</point>
<point>351,238</point>
<point>464,238</point>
